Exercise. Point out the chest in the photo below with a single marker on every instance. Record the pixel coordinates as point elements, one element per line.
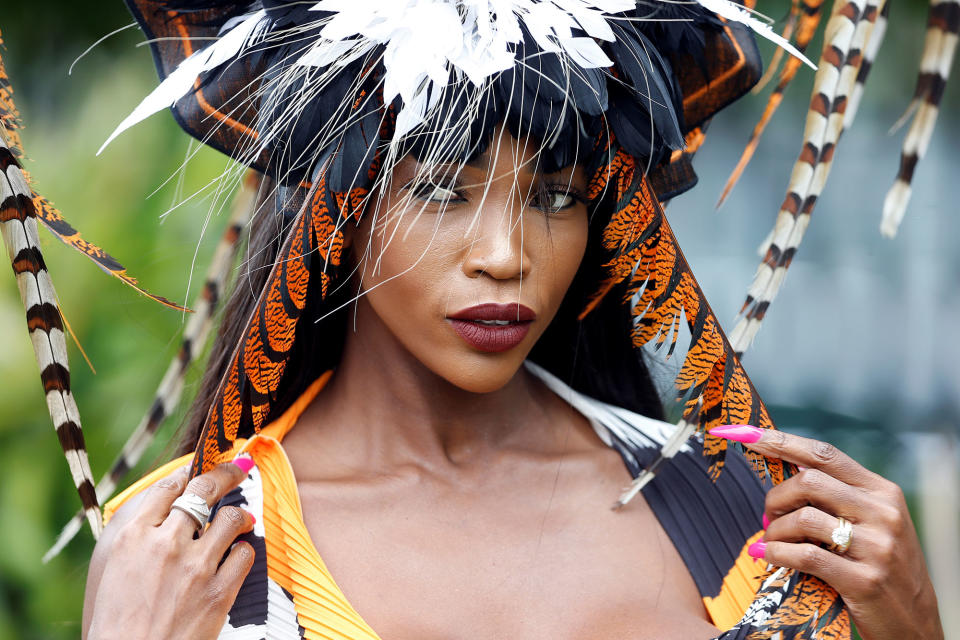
<point>441,562</point>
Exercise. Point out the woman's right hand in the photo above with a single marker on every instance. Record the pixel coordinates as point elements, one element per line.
<point>150,578</point>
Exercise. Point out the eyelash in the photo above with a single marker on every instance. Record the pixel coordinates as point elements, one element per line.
<point>425,190</point>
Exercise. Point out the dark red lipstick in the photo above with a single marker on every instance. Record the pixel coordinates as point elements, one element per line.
<point>493,327</point>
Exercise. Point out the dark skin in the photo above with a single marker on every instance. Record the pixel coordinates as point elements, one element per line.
<point>450,494</point>
<point>422,437</point>
<point>883,576</point>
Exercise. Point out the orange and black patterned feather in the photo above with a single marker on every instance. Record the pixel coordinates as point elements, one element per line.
<point>9,116</point>
<point>53,220</point>
<point>797,605</point>
<point>654,280</point>
<point>649,273</point>
<point>249,387</point>
<point>811,609</point>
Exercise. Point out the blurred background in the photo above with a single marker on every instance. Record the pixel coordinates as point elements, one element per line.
<point>859,348</point>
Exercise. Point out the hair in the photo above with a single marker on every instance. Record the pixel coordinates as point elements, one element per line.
<point>594,355</point>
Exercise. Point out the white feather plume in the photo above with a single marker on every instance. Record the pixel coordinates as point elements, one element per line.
<point>735,13</point>
<point>424,40</point>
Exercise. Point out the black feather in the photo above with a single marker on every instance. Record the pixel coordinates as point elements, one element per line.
<point>650,78</point>
<point>291,12</point>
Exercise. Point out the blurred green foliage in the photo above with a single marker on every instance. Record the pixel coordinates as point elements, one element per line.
<point>118,201</point>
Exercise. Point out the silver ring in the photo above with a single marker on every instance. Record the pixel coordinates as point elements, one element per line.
<point>842,536</point>
<point>194,506</point>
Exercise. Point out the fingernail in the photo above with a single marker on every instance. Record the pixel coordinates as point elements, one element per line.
<point>252,517</point>
<point>799,468</point>
<point>738,433</point>
<point>244,462</point>
<point>757,550</point>
<point>766,521</point>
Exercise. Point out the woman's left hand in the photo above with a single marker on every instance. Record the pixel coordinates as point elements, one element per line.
<point>882,575</point>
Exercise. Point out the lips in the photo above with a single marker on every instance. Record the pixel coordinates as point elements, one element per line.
<point>491,327</point>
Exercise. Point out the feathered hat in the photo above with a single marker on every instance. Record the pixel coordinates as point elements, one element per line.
<point>326,96</point>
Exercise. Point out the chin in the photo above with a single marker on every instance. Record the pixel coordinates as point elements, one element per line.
<point>482,372</point>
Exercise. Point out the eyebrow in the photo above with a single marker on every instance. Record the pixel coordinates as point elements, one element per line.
<point>479,162</point>
<point>482,162</point>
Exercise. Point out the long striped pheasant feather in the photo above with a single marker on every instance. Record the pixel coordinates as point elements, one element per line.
<point>18,222</point>
<point>847,33</point>
<point>869,55</point>
<point>195,336</point>
<point>939,47</point>
<point>21,209</point>
<point>808,14</point>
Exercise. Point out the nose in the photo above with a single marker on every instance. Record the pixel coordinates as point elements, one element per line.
<point>496,247</point>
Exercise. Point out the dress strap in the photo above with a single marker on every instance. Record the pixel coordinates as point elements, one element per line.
<point>276,429</point>
<point>279,427</point>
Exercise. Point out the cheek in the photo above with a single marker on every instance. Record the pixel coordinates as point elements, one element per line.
<point>405,268</point>
<point>557,255</point>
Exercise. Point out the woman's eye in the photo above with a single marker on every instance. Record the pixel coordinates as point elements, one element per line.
<point>555,200</point>
<point>430,192</point>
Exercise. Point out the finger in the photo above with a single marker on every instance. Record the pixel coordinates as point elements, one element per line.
<point>806,524</point>
<point>232,572</point>
<point>842,573</point>
<point>229,523</point>
<point>807,452</point>
<point>211,487</point>
<point>812,486</point>
<point>156,501</point>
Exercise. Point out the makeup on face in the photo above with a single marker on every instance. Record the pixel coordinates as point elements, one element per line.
<point>493,327</point>
<point>468,293</point>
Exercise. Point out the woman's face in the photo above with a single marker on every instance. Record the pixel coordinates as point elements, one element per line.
<point>466,270</point>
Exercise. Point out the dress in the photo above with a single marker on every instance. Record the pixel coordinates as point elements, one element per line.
<point>289,593</point>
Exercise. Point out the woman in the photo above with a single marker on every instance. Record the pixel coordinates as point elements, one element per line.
<point>453,490</point>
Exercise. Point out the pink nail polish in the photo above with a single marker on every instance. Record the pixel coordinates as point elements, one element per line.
<point>738,433</point>
<point>757,550</point>
<point>766,521</point>
<point>252,517</point>
<point>244,462</point>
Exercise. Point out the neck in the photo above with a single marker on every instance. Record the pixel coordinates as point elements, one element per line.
<point>383,408</point>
